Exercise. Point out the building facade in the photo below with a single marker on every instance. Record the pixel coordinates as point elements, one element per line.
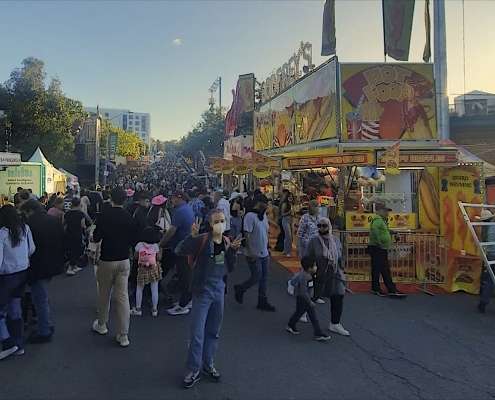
<point>139,123</point>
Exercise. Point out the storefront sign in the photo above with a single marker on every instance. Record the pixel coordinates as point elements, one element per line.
<point>241,165</point>
<point>356,220</point>
<point>304,113</point>
<point>388,101</point>
<point>262,166</point>
<point>336,160</point>
<point>113,140</point>
<point>287,74</point>
<point>28,176</point>
<point>462,183</point>
<point>215,164</point>
<point>424,159</point>
<point>226,166</point>
<point>10,159</point>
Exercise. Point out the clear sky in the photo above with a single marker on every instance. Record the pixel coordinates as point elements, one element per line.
<point>124,54</point>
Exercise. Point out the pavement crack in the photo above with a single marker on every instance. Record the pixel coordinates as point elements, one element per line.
<point>402,356</point>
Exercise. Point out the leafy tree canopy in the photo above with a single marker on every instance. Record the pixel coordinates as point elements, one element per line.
<point>128,143</point>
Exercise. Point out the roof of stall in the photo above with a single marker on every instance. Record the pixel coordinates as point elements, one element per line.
<point>467,157</point>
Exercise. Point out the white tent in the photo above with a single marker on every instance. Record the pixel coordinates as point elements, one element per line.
<point>52,175</point>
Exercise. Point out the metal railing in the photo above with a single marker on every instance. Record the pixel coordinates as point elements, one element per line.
<point>415,258</point>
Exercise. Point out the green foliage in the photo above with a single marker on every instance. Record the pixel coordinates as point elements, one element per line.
<point>207,136</point>
<point>39,116</point>
<point>128,143</point>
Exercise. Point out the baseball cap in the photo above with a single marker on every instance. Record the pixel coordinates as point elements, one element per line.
<point>381,206</point>
<point>179,194</point>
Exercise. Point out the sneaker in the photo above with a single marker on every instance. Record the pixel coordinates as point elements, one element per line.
<point>190,304</point>
<point>322,337</point>
<point>320,301</point>
<point>178,310</point>
<point>380,293</point>
<point>154,313</point>
<point>239,293</point>
<point>338,328</point>
<point>288,255</point>
<point>294,331</point>
<point>481,307</point>
<point>8,352</point>
<point>101,329</point>
<point>19,352</point>
<point>290,287</point>
<point>70,271</point>
<point>136,311</point>
<point>123,340</point>
<point>76,269</point>
<point>304,318</point>
<point>190,379</point>
<point>397,294</point>
<point>212,372</point>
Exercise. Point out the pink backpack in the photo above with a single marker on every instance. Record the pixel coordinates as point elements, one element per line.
<point>147,256</point>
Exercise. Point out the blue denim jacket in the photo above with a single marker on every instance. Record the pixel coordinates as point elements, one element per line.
<point>207,277</point>
<point>15,259</point>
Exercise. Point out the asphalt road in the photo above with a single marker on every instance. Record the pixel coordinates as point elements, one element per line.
<point>418,348</point>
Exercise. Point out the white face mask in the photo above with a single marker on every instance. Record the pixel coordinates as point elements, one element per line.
<point>220,228</point>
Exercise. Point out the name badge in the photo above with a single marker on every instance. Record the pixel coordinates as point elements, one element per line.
<point>220,258</point>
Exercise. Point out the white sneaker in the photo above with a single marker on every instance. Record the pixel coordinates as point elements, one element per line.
<point>320,301</point>
<point>70,271</point>
<point>76,269</point>
<point>135,311</point>
<point>8,352</point>
<point>288,255</point>
<point>178,310</point>
<point>101,329</point>
<point>190,304</point>
<point>304,318</point>
<point>290,287</point>
<point>338,328</point>
<point>123,340</point>
<point>154,313</point>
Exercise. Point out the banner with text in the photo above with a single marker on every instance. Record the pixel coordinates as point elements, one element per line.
<point>388,102</point>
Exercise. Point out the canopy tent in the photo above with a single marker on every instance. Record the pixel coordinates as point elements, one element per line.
<point>467,157</point>
<point>39,157</point>
<point>53,177</point>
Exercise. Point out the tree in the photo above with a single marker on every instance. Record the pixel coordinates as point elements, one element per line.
<point>207,136</point>
<point>39,116</point>
<point>128,143</point>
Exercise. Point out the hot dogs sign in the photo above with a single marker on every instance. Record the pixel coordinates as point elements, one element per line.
<point>388,101</point>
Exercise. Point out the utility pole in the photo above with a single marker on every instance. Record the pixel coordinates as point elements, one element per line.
<point>440,68</point>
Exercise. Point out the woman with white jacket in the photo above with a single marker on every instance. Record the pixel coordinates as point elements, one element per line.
<point>16,246</point>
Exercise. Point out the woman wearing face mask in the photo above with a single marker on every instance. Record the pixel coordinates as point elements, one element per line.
<point>329,282</point>
<point>215,257</point>
<point>307,227</point>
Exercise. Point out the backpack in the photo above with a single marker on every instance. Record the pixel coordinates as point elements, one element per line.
<point>147,256</point>
<point>192,258</point>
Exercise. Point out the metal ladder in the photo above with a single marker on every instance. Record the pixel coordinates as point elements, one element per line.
<point>472,224</point>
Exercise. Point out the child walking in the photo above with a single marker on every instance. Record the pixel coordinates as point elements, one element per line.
<point>148,255</point>
<point>304,291</point>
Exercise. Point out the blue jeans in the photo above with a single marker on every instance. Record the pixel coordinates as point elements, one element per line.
<point>487,285</point>
<point>259,273</point>
<point>39,294</point>
<point>235,226</point>
<point>206,319</point>
<point>11,289</point>
<point>287,225</point>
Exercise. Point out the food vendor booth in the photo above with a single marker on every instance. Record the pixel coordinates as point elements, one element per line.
<point>371,137</point>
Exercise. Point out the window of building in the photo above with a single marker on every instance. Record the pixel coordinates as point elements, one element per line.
<point>107,115</point>
<point>124,122</point>
<point>143,135</point>
<point>136,129</point>
<point>131,116</point>
<point>130,122</point>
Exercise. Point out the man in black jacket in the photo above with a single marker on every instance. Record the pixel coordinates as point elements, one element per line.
<point>46,262</point>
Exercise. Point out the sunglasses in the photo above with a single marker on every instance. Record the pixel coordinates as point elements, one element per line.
<point>322,226</point>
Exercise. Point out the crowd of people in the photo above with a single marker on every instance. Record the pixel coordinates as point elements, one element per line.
<point>159,221</point>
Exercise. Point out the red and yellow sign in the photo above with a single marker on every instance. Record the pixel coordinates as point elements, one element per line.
<point>463,183</point>
<point>355,220</point>
<point>335,160</point>
<point>262,165</point>
<point>388,101</point>
<point>241,165</point>
<point>216,164</point>
<point>423,159</point>
<point>392,159</point>
<point>227,166</point>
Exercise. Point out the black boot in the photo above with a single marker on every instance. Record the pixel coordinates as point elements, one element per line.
<point>239,293</point>
<point>264,305</point>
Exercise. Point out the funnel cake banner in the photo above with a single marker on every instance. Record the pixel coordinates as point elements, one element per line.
<point>388,102</point>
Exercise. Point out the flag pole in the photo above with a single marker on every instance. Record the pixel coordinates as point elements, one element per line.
<point>440,67</point>
<point>384,35</point>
